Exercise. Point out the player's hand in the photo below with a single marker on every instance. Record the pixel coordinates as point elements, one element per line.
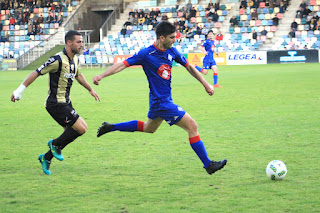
<point>210,90</point>
<point>95,95</point>
<point>96,79</point>
<point>14,99</point>
<point>15,96</point>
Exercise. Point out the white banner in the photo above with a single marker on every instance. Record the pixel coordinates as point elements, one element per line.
<point>245,58</point>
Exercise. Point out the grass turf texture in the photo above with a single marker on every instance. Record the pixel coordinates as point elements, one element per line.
<point>262,113</point>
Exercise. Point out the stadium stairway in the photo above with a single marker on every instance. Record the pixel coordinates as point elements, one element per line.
<point>116,28</point>
<point>284,24</point>
<point>233,12</point>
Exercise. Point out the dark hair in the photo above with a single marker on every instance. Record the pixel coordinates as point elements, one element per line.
<point>70,35</point>
<point>210,31</point>
<point>165,28</point>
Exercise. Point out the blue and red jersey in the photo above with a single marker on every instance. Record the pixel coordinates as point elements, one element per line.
<point>157,65</point>
<point>209,47</point>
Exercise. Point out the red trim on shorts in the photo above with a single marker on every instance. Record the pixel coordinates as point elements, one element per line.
<point>215,73</point>
<point>126,63</point>
<point>194,139</point>
<point>140,126</point>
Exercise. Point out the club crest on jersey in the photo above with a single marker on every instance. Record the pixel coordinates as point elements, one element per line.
<point>164,71</point>
<point>169,57</point>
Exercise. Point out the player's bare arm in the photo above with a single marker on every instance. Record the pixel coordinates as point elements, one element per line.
<point>194,72</point>
<point>82,80</point>
<point>118,67</point>
<point>16,95</point>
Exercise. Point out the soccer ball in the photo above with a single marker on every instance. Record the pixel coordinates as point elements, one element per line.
<point>276,170</point>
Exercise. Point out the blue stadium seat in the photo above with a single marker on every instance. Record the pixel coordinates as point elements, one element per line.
<point>88,59</point>
<point>264,22</point>
<point>94,60</point>
<point>261,16</point>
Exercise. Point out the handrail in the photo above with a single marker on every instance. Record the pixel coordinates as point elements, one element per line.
<point>37,50</point>
<point>68,21</point>
<point>106,26</point>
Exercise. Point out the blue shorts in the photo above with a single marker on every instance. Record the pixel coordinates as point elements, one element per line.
<point>166,110</point>
<point>208,65</point>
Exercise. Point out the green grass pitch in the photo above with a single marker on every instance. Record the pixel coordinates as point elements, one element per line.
<point>262,113</point>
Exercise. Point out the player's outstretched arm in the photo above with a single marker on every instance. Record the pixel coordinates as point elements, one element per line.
<point>194,72</point>
<point>118,67</point>
<point>16,95</point>
<point>83,81</point>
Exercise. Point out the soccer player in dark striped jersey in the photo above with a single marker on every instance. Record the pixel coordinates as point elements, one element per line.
<point>156,61</point>
<point>208,61</point>
<point>63,69</point>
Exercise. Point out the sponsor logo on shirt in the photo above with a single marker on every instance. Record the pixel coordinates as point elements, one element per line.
<point>70,75</point>
<point>164,71</point>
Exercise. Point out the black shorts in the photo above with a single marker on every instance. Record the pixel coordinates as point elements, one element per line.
<point>63,113</point>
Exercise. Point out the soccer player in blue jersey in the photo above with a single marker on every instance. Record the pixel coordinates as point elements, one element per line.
<point>208,61</point>
<point>156,61</point>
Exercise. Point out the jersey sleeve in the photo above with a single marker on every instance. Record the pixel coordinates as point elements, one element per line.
<point>136,59</point>
<point>77,68</point>
<point>204,43</point>
<point>180,58</point>
<point>52,65</point>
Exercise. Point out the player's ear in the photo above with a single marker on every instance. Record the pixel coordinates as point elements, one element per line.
<point>161,38</point>
<point>69,42</point>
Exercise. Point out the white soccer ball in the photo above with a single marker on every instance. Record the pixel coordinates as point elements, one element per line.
<point>276,170</point>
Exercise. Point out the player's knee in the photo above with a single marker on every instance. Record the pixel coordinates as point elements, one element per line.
<point>82,130</point>
<point>204,72</point>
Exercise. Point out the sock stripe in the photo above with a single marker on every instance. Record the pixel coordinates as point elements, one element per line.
<point>215,73</point>
<point>140,126</point>
<point>194,139</point>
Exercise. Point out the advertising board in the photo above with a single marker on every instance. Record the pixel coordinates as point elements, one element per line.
<point>293,56</point>
<point>245,58</point>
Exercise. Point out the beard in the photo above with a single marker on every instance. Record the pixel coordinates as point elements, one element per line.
<point>75,51</point>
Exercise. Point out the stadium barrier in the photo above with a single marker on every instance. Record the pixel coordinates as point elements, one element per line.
<point>233,58</point>
<point>246,58</point>
<point>197,58</point>
<point>293,56</point>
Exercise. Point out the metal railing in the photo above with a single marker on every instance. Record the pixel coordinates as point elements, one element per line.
<point>76,16</point>
<point>111,20</point>
<point>38,50</point>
